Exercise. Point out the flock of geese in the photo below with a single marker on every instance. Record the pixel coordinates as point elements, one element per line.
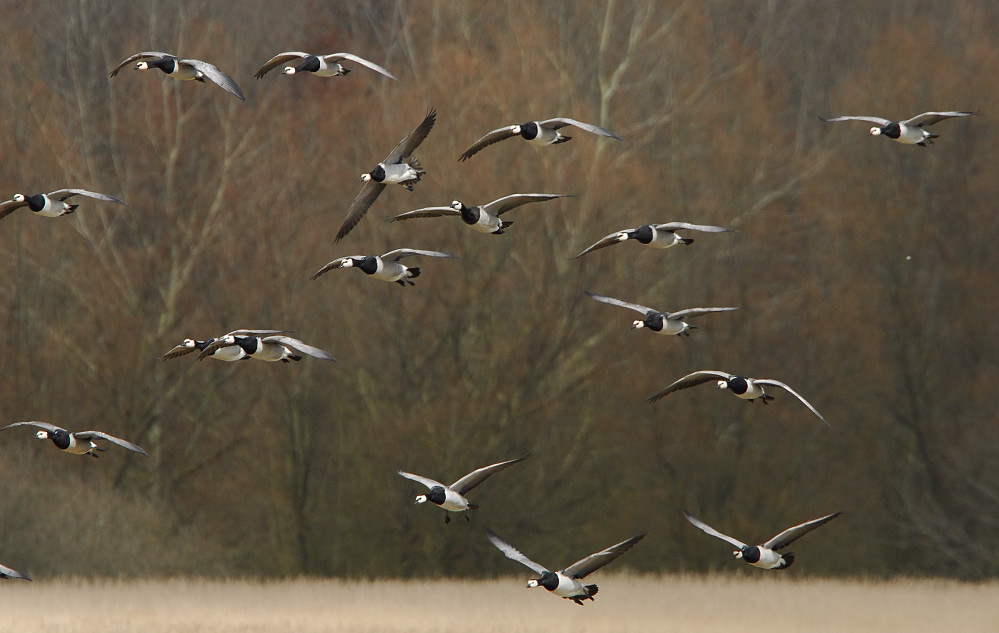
<point>402,168</point>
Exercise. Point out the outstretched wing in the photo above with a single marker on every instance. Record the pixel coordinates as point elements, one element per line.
<point>504,204</point>
<point>180,350</point>
<point>426,212</point>
<point>929,118</point>
<point>360,60</point>
<point>7,572</point>
<point>298,346</point>
<point>365,198</point>
<point>593,562</point>
<point>705,228</point>
<point>777,383</point>
<point>65,194</point>
<point>399,253</point>
<point>221,79</point>
<point>645,310</point>
<point>277,60</point>
<point>330,266</point>
<point>98,435</point>
<point>497,135</point>
<point>691,380</point>
<point>560,122</point>
<point>869,119</point>
<point>513,553</point>
<point>707,529</point>
<point>51,428</point>
<point>693,312</point>
<point>476,477</point>
<point>137,57</point>
<point>255,332</point>
<point>791,534</point>
<point>9,206</point>
<point>426,481</point>
<point>609,240</point>
<point>408,145</point>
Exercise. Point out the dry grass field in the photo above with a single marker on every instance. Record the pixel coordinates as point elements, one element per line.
<point>625,603</point>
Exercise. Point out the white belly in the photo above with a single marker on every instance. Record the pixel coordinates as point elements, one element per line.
<point>568,587</point>
<point>229,354</point>
<point>271,352</point>
<point>664,239</point>
<point>328,70</point>
<point>185,72</point>
<point>389,271</point>
<point>79,447</point>
<point>753,392</point>
<point>454,501</point>
<point>394,174</point>
<point>487,223</point>
<point>52,208</point>
<point>672,327</point>
<point>769,559</point>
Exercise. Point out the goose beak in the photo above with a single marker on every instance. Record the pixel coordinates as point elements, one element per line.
<point>531,584</point>
<point>421,499</point>
<point>637,324</point>
<point>722,384</point>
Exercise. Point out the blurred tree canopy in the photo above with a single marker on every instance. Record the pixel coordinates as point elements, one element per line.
<point>866,268</point>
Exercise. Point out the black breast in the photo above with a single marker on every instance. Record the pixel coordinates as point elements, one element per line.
<point>548,580</point>
<point>368,264</point>
<point>643,234</point>
<point>60,438</point>
<point>35,202</point>
<point>436,495</point>
<point>529,130</point>
<point>738,385</point>
<point>169,66</point>
<point>378,174</point>
<point>310,65</point>
<point>751,554</point>
<point>654,321</point>
<point>892,130</point>
<point>469,215</point>
<point>248,343</point>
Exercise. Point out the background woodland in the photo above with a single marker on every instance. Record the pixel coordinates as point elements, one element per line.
<point>867,270</point>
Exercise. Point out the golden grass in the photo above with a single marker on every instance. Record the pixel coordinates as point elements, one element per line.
<point>625,603</point>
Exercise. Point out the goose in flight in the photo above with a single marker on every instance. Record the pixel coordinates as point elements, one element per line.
<point>78,443</point>
<point>566,583</point>
<point>399,167</point>
<point>654,235</point>
<point>318,65</point>
<point>660,322</point>
<point>183,69</point>
<point>746,388</point>
<point>484,218</point>
<point>767,555</point>
<point>52,205</point>
<point>452,498</point>
<point>384,267</point>
<point>909,132</point>
<point>536,132</point>
<point>266,348</point>
<point>226,353</point>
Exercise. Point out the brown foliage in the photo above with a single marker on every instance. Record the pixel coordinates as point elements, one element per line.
<point>291,469</point>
